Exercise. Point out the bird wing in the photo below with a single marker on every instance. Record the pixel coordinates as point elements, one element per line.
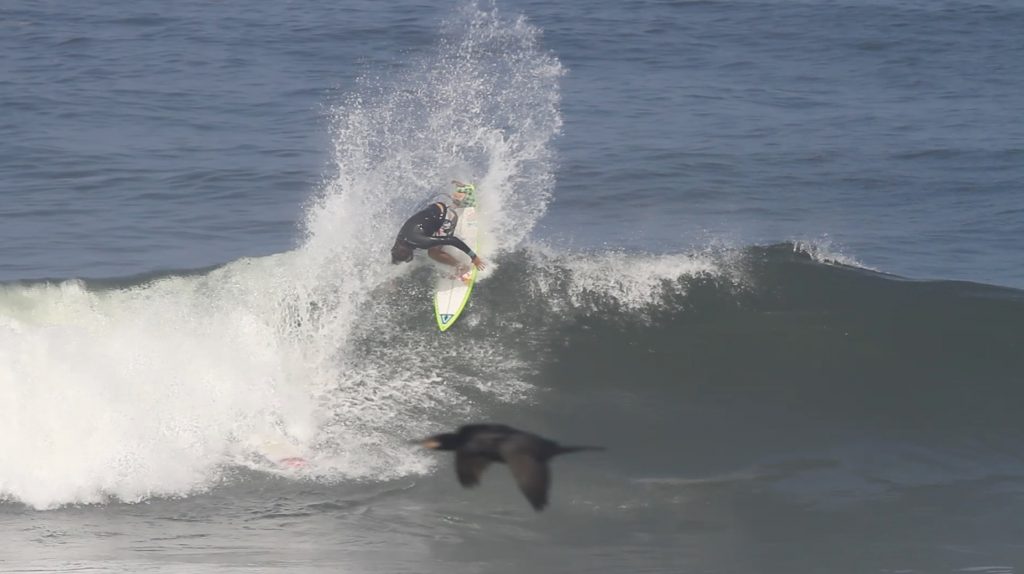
<point>532,476</point>
<point>469,468</point>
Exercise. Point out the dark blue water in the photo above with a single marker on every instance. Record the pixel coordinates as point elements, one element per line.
<point>767,252</point>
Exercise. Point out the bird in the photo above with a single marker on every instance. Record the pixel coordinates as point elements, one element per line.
<point>478,445</point>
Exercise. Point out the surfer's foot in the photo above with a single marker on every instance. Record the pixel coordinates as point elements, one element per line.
<point>463,273</point>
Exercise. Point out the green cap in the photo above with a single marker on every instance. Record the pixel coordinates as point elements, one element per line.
<point>470,199</point>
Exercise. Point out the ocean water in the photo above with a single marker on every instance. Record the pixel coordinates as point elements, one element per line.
<point>768,253</point>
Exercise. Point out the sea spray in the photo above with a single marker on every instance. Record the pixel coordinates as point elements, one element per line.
<point>156,388</point>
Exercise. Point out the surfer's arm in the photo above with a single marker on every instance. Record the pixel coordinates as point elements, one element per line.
<point>417,238</point>
<point>477,261</point>
<point>458,244</point>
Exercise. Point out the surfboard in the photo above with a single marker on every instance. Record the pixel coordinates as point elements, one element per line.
<point>279,451</point>
<point>283,454</point>
<point>452,293</point>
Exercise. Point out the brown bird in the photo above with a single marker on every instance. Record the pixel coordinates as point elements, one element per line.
<point>526,454</point>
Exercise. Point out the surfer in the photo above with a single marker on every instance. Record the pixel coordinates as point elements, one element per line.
<point>420,232</point>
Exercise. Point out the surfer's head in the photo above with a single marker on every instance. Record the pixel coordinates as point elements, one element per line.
<point>401,252</point>
<point>464,194</point>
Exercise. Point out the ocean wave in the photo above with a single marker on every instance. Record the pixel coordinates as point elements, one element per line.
<point>154,389</point>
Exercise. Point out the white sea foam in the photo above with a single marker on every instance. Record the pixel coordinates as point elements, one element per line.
<point>823,250</point>
<point>633,281</point>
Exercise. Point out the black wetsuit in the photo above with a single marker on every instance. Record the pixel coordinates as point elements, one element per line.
<point>418,231</point>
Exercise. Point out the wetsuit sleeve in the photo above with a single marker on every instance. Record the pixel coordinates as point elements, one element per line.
<point>417,238</point>
<point>426,242</point>
<point>458,244</point>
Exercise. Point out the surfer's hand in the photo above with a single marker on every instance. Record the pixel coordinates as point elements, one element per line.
<point>479,263</point>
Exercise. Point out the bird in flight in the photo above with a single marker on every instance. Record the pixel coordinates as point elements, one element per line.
<point>478,445</point>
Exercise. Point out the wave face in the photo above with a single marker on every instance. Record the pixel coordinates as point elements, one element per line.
<point>162,386</point>
<point>782,327</point>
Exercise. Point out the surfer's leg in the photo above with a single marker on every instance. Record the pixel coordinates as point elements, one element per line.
<point>435,246</point>
<point>438,254</point>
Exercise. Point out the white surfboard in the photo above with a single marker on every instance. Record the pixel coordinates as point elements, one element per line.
<point>280,451</point>
<point>452,293</point>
